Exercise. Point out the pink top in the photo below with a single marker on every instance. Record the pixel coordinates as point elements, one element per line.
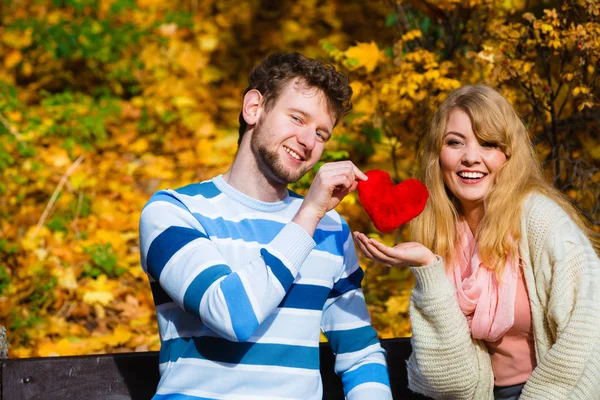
<point>513,355</point>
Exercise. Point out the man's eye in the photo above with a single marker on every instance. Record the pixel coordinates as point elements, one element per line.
<point>296,119</point>
<point>322,136</point>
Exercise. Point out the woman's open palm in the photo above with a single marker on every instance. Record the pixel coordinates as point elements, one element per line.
<point>403,254</point>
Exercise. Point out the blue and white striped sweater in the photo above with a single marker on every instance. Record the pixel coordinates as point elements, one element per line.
<point>241,294</point>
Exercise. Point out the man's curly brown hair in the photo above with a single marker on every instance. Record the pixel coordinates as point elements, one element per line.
<point>271,75</point>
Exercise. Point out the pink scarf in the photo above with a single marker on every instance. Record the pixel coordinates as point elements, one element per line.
<point>488,305</point>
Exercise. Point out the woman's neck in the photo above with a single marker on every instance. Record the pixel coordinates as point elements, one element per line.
<point>473,216</point>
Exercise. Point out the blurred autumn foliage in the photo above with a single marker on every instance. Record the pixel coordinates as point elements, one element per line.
<point>103,102</point>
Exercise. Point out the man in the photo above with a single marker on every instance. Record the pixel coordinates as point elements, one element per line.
<point>244,272</point>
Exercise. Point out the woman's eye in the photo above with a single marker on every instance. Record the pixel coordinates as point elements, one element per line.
<point>296,119</point>
<point>453,142</point>
<point>491,145</point>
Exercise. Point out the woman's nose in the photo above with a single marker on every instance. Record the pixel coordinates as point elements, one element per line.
<point>471,154</point>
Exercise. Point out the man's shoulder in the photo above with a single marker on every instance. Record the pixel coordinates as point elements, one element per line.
<point>184,195</point>
<point>206,189</point>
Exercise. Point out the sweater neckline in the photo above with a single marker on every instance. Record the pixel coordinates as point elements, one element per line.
<point>248,201</point>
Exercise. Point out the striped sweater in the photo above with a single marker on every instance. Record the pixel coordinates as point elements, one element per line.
<point>241,294</point>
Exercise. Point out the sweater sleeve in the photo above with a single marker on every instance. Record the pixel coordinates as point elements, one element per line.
<point>185,266</point>
<point>446,363</point>
<point>359,358</point>
<point>570,369</point>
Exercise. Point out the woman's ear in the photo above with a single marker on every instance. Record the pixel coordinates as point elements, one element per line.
<point>252,106</point>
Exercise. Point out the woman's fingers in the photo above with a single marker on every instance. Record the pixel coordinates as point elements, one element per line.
<point>380,256</point>
<point>403,254</point>
<point>370,251</point>
<point>361,243</point>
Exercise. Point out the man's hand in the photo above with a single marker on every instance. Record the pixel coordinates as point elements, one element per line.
<point>411,254</point>
<point>332,183</point>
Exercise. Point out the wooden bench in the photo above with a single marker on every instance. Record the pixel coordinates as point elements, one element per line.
<point>124,376</point>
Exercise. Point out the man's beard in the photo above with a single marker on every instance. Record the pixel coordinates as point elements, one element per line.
<point>269,162</point>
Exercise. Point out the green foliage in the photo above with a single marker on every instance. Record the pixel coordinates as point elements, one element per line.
<point>57,223</point>
<point>5,278</point>
<point>43,292</point>
<point>119,6</point>
<point>103,261</point>
<point>8,248</point>
<point>78,117</point>
<point>23,322</point>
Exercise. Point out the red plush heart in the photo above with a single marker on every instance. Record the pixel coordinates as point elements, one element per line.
<point>389,205</point>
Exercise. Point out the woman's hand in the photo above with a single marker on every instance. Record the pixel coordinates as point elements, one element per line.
<point>403,254</point>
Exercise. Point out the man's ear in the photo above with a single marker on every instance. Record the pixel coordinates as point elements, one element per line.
<point>252,106</point>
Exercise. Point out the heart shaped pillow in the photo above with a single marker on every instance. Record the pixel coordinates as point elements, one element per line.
<point>389,205</point>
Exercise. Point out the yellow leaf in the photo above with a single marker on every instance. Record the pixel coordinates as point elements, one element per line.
<point>98,297</point>
<point>547,28</point>
<point>27,69</point>
<point>65,346</point>
<point>432,74</point>
<point>208,42</point>
<point>34,238</point>
<point>20,352</point>
<point>366,105</point>
<point>139,146</point>
<point>357,88</point>
<point>79,179</point>
<point>411,35</point>
<point>12,59</point>
<point>529,17</point>
<point>56,157</point>
<point>184,102</point>
<point>140,321</point>
<point>17,39</point>
<point>366,55</point>
<point>120,336</point>
<point>397,305</point>
<point>168,29</point>
<point>66,278</point>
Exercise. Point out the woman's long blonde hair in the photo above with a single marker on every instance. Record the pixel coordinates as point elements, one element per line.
<point>493,120</point>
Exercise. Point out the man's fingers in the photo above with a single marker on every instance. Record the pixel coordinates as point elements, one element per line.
<point>353,187</point>
<point>346,167</point>
<point>359,174</point>
<point>338,182</point>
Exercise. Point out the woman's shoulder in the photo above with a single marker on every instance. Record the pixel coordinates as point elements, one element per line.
<point>538,206</point>
<point>544,218</point>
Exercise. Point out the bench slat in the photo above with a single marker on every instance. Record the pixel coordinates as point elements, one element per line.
<point>133,376</point>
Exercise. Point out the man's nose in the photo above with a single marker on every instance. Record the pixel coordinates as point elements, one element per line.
<point>307,137</point>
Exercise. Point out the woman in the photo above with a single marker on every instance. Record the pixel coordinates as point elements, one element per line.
<point>506,303</point>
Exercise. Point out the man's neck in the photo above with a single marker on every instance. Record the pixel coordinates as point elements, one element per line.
<point>245,176</point>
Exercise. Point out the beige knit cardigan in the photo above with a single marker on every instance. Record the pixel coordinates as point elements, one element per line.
<point>562,273</point>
